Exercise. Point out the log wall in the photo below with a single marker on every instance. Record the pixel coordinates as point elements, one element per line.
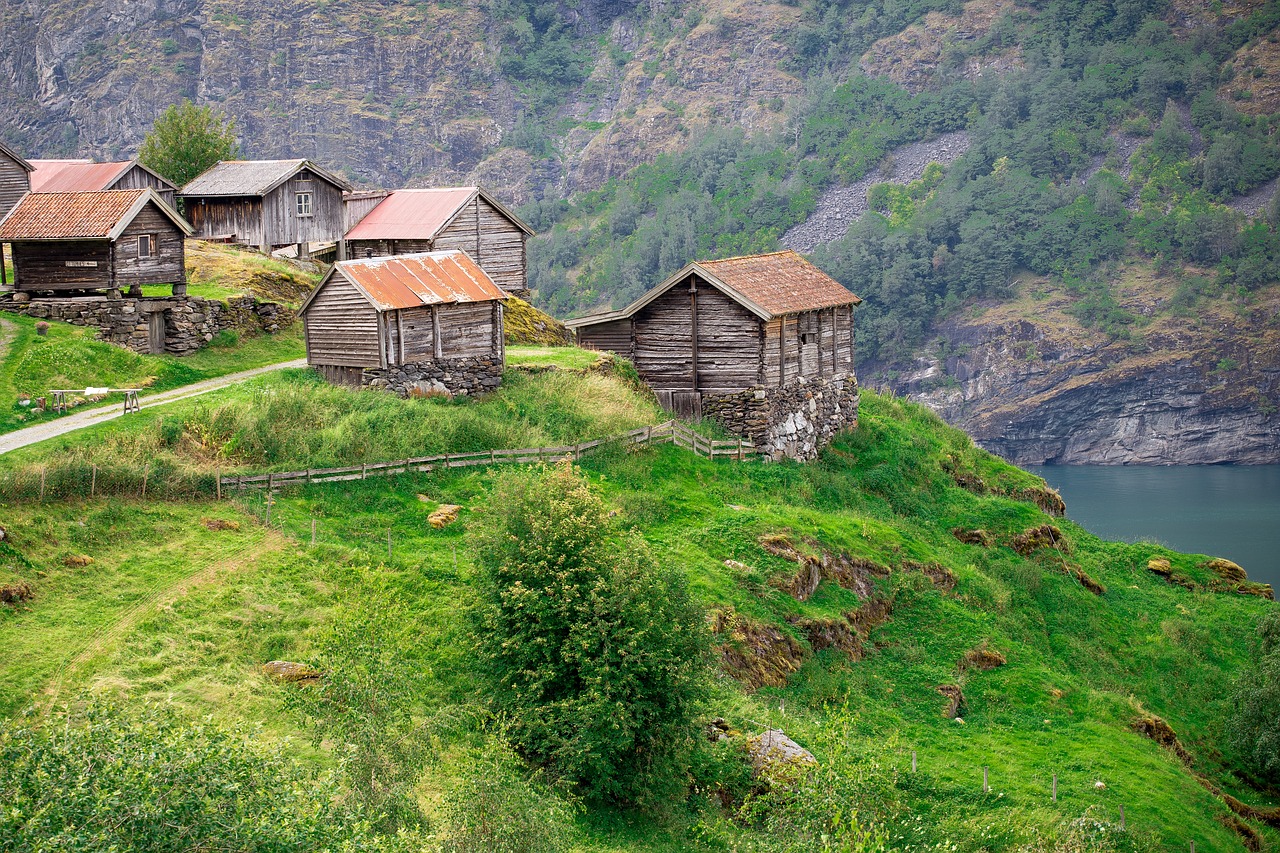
<point>239,218</point>
<point>43,264</point>
<point>664,341</point>
<point>138,178</point>
<point>342,328</point>
<point>282,226</point>
<point>166,264</point>
<point>615,336</point>
<point>15,182</point>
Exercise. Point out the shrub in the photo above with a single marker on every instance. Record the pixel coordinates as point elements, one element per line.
<point>593,651</point>
<point>102,780</point>
<point>1254,730</point>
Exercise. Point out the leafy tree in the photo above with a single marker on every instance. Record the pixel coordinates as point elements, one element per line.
<point>1254,730</point>
<point>104,780</point>
<point>592,652</point>
<point>186,139</point>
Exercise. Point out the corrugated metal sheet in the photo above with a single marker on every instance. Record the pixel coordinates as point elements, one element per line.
<point>781,282</point>
<point>252,177</point>
<point>426,278</point>
<point>412,214</point>
<point>75,176</point>
<point>66,216</point>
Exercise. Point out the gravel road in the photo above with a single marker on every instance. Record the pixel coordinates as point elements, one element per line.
<point>80,420</point>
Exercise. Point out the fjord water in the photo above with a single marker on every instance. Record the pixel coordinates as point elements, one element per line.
<point>1220,510</point>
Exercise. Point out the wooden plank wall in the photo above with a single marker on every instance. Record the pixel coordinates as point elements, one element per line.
<point>240,217</point>
<point>15,182</point>
<point>357,249</point>
<point>166,264</point>
<point>281,224</point>
<point>664,340</point>
<point>137,178</point>
<point>419,335</point>
<point>728,343</point>
<point>502,248</point>
<point>614,336</point>
<point>467,330</point>
<point>42,265</point>
<point>355,209</point>
<point>342,327</point>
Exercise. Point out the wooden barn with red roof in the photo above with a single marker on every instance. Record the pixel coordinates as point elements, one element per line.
<point>86,176</point>
<point>112,241</point>
<point>431,220</point>
<point>434,316</point>
<point>722,327</point>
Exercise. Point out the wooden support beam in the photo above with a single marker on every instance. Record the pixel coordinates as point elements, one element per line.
<point>693,311</point>
<point>435,331</point>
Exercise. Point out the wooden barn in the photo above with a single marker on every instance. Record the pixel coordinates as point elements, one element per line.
<point>432,220</point>
<point>86,176</point>
<point>433,311</point>
<point>267,204</point>
<point>15,178</point>
<point>112,241</point>
<point>720,327</point>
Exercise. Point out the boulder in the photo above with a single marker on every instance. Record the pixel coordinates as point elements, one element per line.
<point>1227,570</point>
<point>288,672</point>
<point>774,754</point>
<point>77,561</point>
<point>444,514</point>
<point>12,593</point>
<point>1160,566</point>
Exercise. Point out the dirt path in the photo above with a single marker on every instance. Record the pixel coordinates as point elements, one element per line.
<point>80,420</point>
<point>162,595</point>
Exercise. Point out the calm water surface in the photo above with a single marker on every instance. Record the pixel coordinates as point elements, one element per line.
<point>1223,511</point>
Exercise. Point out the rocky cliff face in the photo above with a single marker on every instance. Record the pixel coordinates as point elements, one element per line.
<point>1032,385</point>
<point>390,93</point>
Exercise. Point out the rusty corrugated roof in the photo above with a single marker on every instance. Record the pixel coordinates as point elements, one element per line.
<point>781,282</point>
<point>767,285</point>
<point>65,216</point>
<point>75,176</point>
<point>424,278</point>
<point>412,214</point>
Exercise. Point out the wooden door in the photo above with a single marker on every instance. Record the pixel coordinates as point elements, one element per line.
<point>155,332</point>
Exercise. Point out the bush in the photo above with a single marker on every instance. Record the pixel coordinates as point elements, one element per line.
<point>1254,730</point>
<point>102,780</point>
<point>591,650</point>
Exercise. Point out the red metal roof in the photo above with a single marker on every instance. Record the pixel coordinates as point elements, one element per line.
<point>67,216</point>
<point>412,214</point>
<point>426,278</point>
<point>781,282</point>
<point>75,176</point>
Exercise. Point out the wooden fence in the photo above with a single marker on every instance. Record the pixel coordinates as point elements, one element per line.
<point>671,432</point>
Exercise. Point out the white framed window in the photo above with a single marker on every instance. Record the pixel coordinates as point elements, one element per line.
<point>146,246</point>
<point>304,204</point>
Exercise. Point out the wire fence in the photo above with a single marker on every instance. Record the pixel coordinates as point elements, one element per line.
<point>163,480</point>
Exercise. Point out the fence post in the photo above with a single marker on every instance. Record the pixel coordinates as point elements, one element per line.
<point>93,481</point>
<point>42,467</point>
<point>913,761</point>
<point>269,507</point>
<point>1055,787</point>
<point>146,472</point>
<point>986,789</point>
<point>313,532</point>
<point>364,470</point>
<point>388,544</point>
<point>218,482</point>
<point>271,481</point>
<point>1122,817</point>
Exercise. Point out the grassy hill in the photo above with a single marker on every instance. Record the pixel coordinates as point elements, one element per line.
<point>184,600</point>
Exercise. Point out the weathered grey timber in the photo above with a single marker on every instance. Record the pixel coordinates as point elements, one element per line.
<point>93,241</point>
<point>717,329</point>
<point>427,220</point>
<point>414,324</point>
<point>267,204</point>
<point>15,179</point>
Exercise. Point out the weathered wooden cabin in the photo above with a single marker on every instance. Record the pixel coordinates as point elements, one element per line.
<point>15,178</point>
<point>267,204</point>
<point>112,241</point>
<point>430,220</point>
<point>721,327</point>
<point>86,176</point>
<point>425,321</point>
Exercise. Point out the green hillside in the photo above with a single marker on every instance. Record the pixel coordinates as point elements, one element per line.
<point>1058,642</point>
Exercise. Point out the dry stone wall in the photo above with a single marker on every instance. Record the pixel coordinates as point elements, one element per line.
<point>449,376</point>
<point>190,322</point>
<point>796,420</point>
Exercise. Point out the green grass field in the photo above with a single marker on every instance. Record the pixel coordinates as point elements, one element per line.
<point>171,610</point>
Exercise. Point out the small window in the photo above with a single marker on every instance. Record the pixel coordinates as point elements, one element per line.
<point>145,245</point>
<point>304,204</point>
<point>808,338</point>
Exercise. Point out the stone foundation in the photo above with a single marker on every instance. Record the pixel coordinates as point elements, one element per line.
<point>449,376</point>
<point>796,420</point>
<point>190,322</point>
